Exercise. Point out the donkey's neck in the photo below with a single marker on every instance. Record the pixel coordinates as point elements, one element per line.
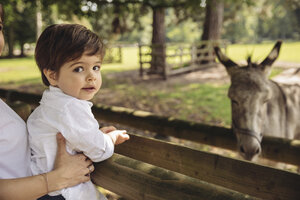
<point>277,112</point>
<point>283,111</point>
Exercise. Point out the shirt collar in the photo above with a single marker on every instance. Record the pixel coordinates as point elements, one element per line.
<point>58,92</point>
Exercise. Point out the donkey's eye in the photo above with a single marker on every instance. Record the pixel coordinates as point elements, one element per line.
<point>265,101</point>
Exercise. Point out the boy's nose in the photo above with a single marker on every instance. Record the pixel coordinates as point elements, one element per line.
<point>91,77</point>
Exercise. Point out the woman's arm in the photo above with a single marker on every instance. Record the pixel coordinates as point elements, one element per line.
<point>24,188</point>
<point>69,170</point>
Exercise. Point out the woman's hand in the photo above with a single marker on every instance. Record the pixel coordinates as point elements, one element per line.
<point>69,170</point>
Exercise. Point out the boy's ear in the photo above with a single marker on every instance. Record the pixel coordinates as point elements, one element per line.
<point>51,76</point>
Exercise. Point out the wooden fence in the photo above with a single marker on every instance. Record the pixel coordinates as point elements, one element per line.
<point>178,58</point>
<point>153,169</point>
<point>113,54</point>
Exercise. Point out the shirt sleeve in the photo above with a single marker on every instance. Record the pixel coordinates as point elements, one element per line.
<point>81,130</point>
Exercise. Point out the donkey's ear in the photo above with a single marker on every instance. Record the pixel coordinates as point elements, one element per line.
<point>273,55</point>
<point>229,64</point>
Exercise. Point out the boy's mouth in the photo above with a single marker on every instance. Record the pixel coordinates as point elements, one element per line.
<point>89,89</point>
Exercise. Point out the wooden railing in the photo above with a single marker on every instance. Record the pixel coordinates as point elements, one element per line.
<point>113,53</point>
<point>152,169</point>
<point>277,149</point>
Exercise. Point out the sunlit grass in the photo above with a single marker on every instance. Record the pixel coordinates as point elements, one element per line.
<point>198,99</point>
<point>290,52</point>
<point>20,70</point>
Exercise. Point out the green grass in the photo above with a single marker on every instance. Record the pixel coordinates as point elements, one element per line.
<point>199,100</point>
<point>290,52</point>
<point>24,70</point>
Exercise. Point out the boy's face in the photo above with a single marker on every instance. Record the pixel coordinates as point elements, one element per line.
<point>80,78</point>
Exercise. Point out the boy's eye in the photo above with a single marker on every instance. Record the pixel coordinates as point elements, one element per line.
<point>1,27</point>
<point>78,69</point>
<point>96,68</point>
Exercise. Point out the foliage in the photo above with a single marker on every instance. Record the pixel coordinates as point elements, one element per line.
<point>131,21</point>
<point>265,20</point>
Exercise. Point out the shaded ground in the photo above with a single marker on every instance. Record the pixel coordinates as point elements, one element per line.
<point>216,75</point>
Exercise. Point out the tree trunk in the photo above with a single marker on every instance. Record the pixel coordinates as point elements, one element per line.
<point>213,20</point>
<point>39,20</point>
<point>22,49</point>
<point>10,37</point>
<point>213,23</point>
<point>158,42</point>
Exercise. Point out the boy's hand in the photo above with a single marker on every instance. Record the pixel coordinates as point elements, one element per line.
<point>108,129</point>
<point>118,136</point>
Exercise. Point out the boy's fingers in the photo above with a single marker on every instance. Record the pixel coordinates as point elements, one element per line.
<point>108,129</point>
<point>126,136</point>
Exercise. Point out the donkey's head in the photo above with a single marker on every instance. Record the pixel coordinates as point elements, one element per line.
<point>250,93</point>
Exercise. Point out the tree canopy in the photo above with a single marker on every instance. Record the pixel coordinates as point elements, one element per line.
<point>131,20</point>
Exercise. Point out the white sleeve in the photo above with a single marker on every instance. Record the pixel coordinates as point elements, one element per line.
<point>81,130</point>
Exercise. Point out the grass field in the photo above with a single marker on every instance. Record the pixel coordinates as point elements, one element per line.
<point>203,102</point>
<point>290,52</point>
<point>20,70</point>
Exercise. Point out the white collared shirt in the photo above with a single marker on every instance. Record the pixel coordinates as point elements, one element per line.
<point>14,149</point>
<point>59,112</point>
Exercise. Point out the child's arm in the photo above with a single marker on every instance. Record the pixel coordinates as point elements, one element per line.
<point>82,133</point>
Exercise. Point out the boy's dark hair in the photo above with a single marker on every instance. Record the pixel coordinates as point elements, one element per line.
<point>1,12</point>
<point>61,43</point>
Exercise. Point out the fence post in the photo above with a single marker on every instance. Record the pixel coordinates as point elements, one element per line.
<point>141,61</point>
<point>120,54</point>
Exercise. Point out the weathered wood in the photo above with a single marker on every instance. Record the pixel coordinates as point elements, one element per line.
<point>177,50</point>
<point>187,69</point>
<point>134,180</point>
<point>22,109</point>
<point>277,149</point>
<point>242,176</point>
<point>13,95</point>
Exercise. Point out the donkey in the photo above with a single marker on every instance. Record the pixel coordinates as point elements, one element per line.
<point>260,106</point>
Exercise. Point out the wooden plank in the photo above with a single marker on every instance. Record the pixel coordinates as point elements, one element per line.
<point>286,150</point>
<point>242,176</point>
<point>135,180</point>
<point>278,149</point>
<point>189,68</point>
<point>22,109</point>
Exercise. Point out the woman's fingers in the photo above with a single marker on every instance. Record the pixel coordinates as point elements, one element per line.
<point>61,143</point>
<point>61,153</point>
<point>89,170</point>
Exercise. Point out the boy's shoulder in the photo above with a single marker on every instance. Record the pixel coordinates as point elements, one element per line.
<point>56,99</point>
